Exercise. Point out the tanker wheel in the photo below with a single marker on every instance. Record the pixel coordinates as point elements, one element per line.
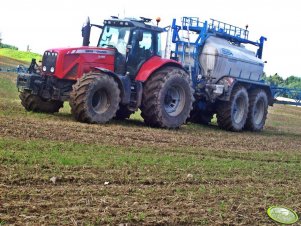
<point>123,113</point>
<point>167,98</point>
<point>37,104</point>
<point>258,110</point>
<point>200,117</point>
<point>232,115</point>
<point>95,98</point>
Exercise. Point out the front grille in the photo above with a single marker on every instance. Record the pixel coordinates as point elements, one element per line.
<point>49,60</point>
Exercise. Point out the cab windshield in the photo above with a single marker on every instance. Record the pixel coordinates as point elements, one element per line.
<point>116,37</point>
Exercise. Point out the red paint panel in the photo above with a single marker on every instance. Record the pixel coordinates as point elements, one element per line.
<point>72,63</point>
<point>151,65</point>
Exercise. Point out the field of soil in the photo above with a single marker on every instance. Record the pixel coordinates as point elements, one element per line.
<point>56,171</point>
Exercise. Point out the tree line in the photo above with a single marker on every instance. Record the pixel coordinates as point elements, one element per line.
<point>290,82</point>
<point>2,45</point>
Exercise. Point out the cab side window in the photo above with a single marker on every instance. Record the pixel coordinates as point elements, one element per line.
<point>145,45</point>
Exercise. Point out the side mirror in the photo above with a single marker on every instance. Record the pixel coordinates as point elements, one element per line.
<point>86,29</point>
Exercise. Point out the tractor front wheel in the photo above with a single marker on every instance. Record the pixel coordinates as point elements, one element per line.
<point>37,104</point>
<point>167,98</point>
<point>95,98</point>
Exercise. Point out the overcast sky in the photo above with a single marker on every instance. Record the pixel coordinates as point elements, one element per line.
<point>57,23</point>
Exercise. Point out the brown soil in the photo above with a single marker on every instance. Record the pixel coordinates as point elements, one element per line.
<point>152,195</point>
<point>63,128</point>
<point>79,196</point>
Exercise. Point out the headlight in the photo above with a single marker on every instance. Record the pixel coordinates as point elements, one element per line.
<point>52,69</point>
<point>44,68</point>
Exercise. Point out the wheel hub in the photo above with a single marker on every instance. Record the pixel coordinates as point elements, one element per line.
<point>239,110</point>
<point>100,101</point>
<point>259,112</point>
<point>174,100</point>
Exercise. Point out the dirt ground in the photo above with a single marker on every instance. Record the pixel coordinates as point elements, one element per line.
<point>80,196</point>
<point>63,128</point>
<point>203,175</point>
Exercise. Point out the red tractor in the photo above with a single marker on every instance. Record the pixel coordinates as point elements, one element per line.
<point>123,73</point>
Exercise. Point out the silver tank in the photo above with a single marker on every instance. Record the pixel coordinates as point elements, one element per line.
<point>220,58</point>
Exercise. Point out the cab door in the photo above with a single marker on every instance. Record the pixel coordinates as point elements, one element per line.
<point>142,48</point>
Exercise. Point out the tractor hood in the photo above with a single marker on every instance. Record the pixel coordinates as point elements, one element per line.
<point>72,63</point>
<point>83,49</point>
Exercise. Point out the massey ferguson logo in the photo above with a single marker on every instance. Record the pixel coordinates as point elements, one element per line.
<point>91,51</point>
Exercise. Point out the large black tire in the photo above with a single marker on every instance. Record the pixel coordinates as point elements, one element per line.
<point>199,116</point>
<point>95,98</point>
<point>167,98</point>
<point>258,110</point>
<point>36,104</point>
<point>123,113</point>
<point>232,115</point>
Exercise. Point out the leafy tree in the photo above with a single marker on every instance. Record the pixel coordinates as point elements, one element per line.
<point>2,45</point>
<point>293,82</point>
<point>275,80</point>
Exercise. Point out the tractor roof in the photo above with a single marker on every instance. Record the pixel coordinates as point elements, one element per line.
<point>133,22</point>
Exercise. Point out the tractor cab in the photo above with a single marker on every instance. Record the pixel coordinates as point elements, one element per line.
<point>134,41</point>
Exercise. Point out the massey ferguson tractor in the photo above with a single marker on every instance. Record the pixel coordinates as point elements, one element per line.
<point>209,72</point>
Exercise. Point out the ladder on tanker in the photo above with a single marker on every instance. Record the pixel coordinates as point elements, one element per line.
<point>188,45</point>
<point>185,37</point>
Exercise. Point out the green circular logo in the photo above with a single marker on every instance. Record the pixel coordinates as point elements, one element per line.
<point>282,215</point>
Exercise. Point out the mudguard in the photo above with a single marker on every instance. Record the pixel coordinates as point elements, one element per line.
<point>153,64</point>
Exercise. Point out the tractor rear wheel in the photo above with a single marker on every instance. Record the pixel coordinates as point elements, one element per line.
<point>37,104</point>
<point>232,115</point>
<point>167,98</point>
<point>258,110</point>
<point>95,98</point>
